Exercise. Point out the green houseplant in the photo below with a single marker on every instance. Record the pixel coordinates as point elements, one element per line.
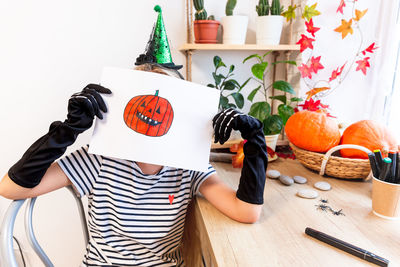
<point>234,26</point>
<point>225,84</point>
<point>273,124</point>
<point>205,28</point>
<point>269,22</point>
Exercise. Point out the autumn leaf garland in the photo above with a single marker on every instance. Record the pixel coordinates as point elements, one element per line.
<point>313,64</point>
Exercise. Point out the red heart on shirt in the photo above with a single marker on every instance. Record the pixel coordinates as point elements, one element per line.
<point>171,198</point>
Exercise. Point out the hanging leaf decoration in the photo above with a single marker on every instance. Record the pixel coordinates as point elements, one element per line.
<point>341,6</point>
<point>315,65</point>
<point>363,65</point>
<point>310,27</point>
<point>305,42</point>
<point>310,11</point>
<point>360,14</point>
<point>345,28</point>
<point>290,13</point>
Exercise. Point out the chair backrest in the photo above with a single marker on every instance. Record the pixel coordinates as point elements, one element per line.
<point>7,256</point>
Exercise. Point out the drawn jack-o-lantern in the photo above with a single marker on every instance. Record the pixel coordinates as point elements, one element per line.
<point>150,115</point>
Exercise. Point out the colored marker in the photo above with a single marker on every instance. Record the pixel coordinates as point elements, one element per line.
<point>372,162</point>
<point>379,159</point>
<point>398,168</point>
<point>387,162</point>
<point>392,171</point>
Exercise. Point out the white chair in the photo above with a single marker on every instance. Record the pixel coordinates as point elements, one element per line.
<point>7,256</point>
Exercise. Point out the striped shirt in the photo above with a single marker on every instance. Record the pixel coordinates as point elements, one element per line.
<point>133,219</point>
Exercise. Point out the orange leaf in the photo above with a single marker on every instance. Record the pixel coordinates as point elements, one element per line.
<point>345,28</point>
<point>360,14</point>
<point>315,91</point>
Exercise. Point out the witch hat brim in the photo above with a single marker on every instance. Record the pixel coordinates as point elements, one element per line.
<point>157,49</point>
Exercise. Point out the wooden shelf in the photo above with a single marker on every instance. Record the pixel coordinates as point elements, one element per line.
<point>246,47</point>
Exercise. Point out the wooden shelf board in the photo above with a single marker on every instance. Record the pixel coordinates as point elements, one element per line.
<point>245,47</point>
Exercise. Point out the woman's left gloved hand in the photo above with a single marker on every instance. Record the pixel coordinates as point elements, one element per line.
<point>252,179</point>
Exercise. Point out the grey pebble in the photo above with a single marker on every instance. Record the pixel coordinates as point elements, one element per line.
<point>299,179</point>
<point>307,193</point>
<point>324,186</point>
<point>273,174</point>
<point>286,180</point>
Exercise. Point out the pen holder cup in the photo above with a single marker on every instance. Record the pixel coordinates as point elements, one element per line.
<point>385,199</point>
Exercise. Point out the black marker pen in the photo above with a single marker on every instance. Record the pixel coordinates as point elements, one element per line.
<point>349,248</point>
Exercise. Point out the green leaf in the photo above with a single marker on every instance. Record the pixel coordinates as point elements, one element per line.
<point>291,62</point>
<point>310,11</point>
<point>239,100</point>
<point>231,105</point>
<point>266,54</point>
<point>290,13</point>
<point>231,68</point>
<point>244,84</point>
<point>251,56</point>
<point>229,85</point>
<point>218,78</point>
<point>296,99</point>
<point>260,110</point>
<point>283,86</point>
<point>259,69</point>
<point>272,125</point>
<point>281,98</point>
<point>223,101</point>
<point>211,85</point>
<point>217,60</point>
<point>285,112</point>
<point>250,97</point>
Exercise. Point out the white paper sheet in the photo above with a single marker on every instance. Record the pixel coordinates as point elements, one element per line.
<point>185,144</point>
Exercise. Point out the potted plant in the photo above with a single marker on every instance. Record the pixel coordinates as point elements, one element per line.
<point>269,22</point>
<point>234,27</point>
<point>205,28</point>
<point>225,84</point>
<point>273,123</point>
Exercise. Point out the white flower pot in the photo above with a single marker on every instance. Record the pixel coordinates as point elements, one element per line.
<point>269,29</point>
<point>234,29</point>
<point>271,140</point>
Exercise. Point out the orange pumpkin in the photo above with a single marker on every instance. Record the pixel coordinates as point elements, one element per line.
<point>369,134</point>
<point>150,115</point>
<point>312,131</point>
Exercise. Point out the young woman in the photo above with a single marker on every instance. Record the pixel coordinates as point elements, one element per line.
<point>131,218</point>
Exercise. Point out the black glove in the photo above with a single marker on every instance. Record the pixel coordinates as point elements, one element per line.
<point>252,179</point>
<point>82,108</point>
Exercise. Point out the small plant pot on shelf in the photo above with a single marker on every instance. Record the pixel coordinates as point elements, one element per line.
<point>271,141</point>
<point>234,29</point>
<point>269,29</point>
<point>205,31</point>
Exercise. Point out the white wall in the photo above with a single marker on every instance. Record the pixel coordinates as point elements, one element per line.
<point>52,49</point>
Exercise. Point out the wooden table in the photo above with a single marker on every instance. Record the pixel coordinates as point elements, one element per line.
<point>278,238</point>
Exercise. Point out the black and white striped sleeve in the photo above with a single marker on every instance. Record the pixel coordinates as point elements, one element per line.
<point>81,169</point>
<point>198,178</point>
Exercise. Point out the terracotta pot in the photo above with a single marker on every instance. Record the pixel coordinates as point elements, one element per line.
<point>205,31</point>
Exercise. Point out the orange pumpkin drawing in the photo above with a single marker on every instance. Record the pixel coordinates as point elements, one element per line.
<point>150,115</point>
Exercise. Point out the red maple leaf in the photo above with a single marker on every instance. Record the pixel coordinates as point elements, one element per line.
<point>363,65</point>
<point>305,71</point>
<point>336,73</point>
<point>312,105</point>
<point>305,43</point>
<point>315,66</point>
<point>341,6</point>
<point>310,27</point>
<point>370,49</point>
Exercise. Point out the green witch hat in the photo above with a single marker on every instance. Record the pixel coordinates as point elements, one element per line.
<point>157,49</point>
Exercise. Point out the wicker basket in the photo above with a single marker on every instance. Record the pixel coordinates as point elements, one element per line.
<point>334,166</point>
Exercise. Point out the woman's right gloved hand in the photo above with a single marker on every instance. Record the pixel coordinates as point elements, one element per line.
<point>82,109</point>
